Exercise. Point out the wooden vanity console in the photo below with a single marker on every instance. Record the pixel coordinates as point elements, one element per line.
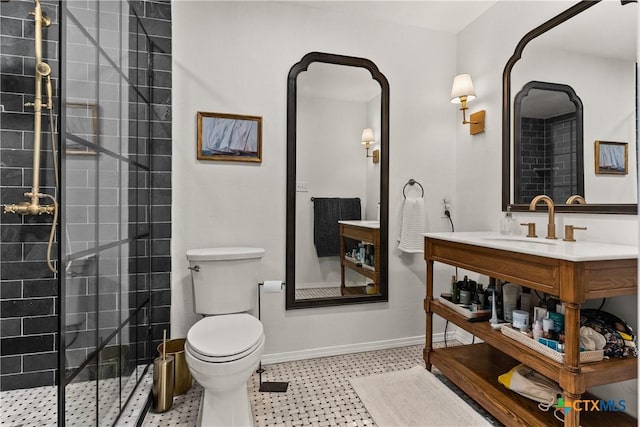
<point>364,231</point>
<point>475,368</point>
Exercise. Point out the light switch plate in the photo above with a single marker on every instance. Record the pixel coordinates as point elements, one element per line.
<point>302,187</point>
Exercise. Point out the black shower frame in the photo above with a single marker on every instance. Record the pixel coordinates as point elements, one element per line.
<point>62,379</point>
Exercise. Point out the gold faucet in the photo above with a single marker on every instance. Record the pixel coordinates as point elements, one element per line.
<point>551,227</point>
<point>576,198</point>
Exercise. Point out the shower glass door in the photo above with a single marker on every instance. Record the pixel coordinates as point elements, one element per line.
<point>105,223</point>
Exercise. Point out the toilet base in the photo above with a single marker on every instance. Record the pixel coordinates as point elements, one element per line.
<point>228,409</point>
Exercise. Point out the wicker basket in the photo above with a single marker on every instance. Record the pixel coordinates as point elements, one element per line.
<point>585,356</point>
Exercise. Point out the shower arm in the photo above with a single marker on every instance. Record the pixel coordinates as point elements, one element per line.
<point>43,70</point>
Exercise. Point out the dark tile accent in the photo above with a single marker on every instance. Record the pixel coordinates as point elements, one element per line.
<point>10,327</point>
<point>10,365</point>
<point>10,139</point>
<point>10,252</point>
<point>24,270</point>
<point>40,361</point>
<point>157,10</point>
<point>30,380</point>
<point>161,197</point>
<point>11,64</point>
<point>10,289</point>
<point>161,281</point>
<point>39,325</point>
<point>26,307</point>
<point>161,214</point>
<point>16,46</point>
<point>23,345</point>
<point>16,158</point>
<point>161,230</point>
<point>11,176</point>
<point>40,288</point>
<point>161,314</point>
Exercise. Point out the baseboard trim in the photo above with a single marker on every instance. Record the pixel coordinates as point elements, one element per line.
<point>314,353</point>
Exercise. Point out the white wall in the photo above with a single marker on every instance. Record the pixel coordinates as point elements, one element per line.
<point>235,58</point>
<point>482,51</point>
<point>331,159</point>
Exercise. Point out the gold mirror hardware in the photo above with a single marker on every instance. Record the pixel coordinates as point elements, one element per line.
<point>531,228</point>
<point>568,232</point>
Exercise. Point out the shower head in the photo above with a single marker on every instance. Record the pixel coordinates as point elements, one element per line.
<point>43,69</point>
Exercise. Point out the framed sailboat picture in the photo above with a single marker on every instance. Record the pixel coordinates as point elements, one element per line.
<point>612,157</point>
<point>229,137</point>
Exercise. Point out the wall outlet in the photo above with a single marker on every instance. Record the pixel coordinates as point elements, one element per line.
<point>302,187</point>
<point>446,206</point>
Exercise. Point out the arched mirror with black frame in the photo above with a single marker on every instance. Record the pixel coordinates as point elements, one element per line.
<point>548,142</point>
<point>569,49</point>
<point>337,182</point>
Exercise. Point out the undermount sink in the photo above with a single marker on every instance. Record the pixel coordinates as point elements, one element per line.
<point>539,246</point>
<point>533,240</point>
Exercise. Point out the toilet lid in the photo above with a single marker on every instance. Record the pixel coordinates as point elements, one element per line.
<point>226,335</point>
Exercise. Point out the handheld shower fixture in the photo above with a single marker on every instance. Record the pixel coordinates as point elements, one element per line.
<point>32,206</point>
<point>44,70</point>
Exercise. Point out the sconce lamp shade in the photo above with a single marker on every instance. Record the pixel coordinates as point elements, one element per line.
<point>462,86</point>
<point>367,136</point>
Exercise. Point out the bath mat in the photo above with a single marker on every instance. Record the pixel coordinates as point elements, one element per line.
<point>414,397</point>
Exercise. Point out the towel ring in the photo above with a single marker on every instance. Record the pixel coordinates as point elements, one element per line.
<point>412,182</point>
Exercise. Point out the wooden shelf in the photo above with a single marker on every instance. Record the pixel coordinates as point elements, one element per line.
<point>475,369</point>
<point>371,274</point>
<point>594,373</point>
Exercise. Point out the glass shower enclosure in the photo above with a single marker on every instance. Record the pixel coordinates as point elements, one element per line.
<point>105,130</point>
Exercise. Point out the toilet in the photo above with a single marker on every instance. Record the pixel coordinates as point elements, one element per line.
<point>224,348</point>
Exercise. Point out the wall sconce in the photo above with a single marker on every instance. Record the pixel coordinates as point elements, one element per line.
<point>367,140</point>
<point>462,92</point>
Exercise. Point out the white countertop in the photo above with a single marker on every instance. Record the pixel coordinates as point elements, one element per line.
<point>360,223</point>
<point>558,249</point>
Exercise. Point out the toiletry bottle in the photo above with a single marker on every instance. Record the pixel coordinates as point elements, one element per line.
<point>482,296</point>
<point>537,330</point>
<point>510,294</point>
<point>509,225</point>
<point>455,292</point>
<point>525,300</point>
<point>506,225</point>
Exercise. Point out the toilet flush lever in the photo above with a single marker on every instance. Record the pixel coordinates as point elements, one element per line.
<point>194,268</point>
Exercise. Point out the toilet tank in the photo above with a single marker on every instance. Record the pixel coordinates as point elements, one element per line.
<point>225,280</point>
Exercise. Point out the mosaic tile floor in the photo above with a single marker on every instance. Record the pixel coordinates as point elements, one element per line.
<point>319,394</point>
<point>319,391</point>
<point>317,293</point>
<point>37,407</point>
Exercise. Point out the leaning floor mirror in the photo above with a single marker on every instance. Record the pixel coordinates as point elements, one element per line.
<point>337,182</point>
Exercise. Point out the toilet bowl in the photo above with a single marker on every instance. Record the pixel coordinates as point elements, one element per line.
<point>224,348</point>
<point>222,352</point>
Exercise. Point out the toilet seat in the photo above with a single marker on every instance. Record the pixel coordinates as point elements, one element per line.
<point>225,338</point>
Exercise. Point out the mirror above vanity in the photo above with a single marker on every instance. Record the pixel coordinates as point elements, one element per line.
<point>568,62</point>
<point>337,182</point>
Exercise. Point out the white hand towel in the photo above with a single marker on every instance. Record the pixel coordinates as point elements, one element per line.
<point>413,224</point>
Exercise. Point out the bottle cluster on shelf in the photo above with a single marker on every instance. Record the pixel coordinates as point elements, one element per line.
<point>362,253</point>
